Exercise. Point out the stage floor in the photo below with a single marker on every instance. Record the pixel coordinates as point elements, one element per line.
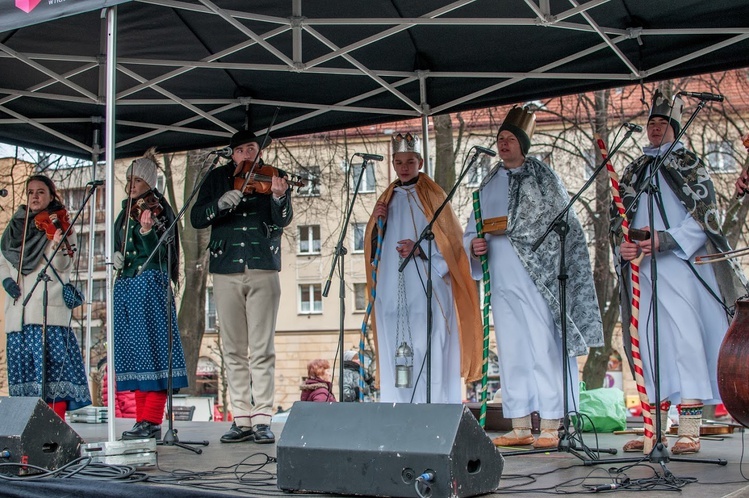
<point>533,475</point>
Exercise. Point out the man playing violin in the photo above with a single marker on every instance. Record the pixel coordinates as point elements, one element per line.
<point>245,258</point>
<point>693,301</point>
<point>27,244</point>
<point>141,308</point>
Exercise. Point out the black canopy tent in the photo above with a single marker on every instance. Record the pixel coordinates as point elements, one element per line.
<point>186,74</point>
<point>191,72</point>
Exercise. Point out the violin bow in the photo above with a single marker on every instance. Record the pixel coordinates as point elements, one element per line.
<point>23,242</point>
<point>262,146</point>
<point>127,211</point>
<point>635,315</point>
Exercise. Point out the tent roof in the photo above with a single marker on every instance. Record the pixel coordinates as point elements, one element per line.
<point>192,72</point>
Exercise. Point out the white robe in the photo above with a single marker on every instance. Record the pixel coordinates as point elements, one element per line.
<point>528,342</point>
<point>406,220</point>
<point>691,322</point>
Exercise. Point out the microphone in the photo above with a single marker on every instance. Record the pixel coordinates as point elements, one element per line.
<point>3,192</point>
<point>96,183</point>
<point>369,157</point>
<point>606,487</point>
<point>226,152</point>
<point>715,97</point>
<point>633,127</point>
<point>486,151</point>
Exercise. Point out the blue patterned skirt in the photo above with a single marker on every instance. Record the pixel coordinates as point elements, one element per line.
<point>65,375</point>
<point>141,336</point>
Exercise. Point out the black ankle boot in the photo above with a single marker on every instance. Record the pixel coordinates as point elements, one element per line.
<point>143,430</point>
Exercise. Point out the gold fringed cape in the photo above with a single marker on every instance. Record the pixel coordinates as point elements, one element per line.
<point>448,235</point>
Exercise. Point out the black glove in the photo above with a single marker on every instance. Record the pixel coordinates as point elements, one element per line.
<point>12,288</point>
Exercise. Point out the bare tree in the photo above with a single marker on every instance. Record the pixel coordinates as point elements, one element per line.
<point>191,314</point>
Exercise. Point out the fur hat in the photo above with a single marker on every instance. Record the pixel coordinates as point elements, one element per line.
<point>145,168</point>
<point>521,122</point>
<point>406,143</point>
<point>350,355</point>
<point>662,108</point>
<point>245,137</point>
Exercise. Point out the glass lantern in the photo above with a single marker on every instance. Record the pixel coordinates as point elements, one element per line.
<point>404,366</point>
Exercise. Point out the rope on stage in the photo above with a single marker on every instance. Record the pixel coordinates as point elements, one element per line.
<point>485,308</point>
<point>634,319</point>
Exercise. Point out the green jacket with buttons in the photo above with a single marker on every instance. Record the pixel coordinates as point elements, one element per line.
<point>137,249</point>
<point>248,236</point>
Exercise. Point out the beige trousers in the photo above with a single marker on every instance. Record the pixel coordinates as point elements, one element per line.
<point>246,307</point>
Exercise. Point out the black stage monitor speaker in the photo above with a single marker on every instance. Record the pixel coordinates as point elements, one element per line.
<point>381,449</point>
<point>32,433</point>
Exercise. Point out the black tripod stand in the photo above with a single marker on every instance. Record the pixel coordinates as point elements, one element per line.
<point>167,237</point>
<point>338,262</point>
<point>43,277</point>
<point>428,235</point>
<point>659,454</point>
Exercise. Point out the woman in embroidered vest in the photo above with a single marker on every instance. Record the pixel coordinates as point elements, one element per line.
<point>141,311</point>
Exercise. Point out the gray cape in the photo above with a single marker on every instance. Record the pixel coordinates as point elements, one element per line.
<point>688,177</point>
<point>536,197</point>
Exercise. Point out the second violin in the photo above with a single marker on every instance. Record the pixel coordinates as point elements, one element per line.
<point>260,179</point>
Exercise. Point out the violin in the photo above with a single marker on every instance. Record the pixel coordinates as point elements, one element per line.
<point>50,222</point>
<point>260,179</point>
<point>149,201</point>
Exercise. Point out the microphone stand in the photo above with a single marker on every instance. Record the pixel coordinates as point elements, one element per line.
<point>660,454</point>
<point>338,260</point>
<point>428,235</point>
<point>43,277</point>
<point>170,437</point>
<point>568,442</point>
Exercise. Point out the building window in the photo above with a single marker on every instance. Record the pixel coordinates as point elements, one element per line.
<point>99,289</point>
<point>160,183</point>
<point>544,156</point>
<point>309,239</point>
<point>357,231</point>
<point>589,158</point>
<point>360,297</point>
<point>99,251</point>
<point>210,310</point>
<point>368,180</point>
<point>478,171</point>
<point>312,188</point>
<point>720,156</point>
<point>310,298</point>
<point>72,198</point>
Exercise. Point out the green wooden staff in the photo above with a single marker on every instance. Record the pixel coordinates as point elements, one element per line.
<point>485,310</point>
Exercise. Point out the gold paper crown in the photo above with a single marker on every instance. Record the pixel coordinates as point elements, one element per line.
<point>522,118</point>
<point>406,143</point>
<point>662,108</point>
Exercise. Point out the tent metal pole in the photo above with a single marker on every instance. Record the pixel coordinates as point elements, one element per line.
<point>91,239</point>
<point>111,13</point>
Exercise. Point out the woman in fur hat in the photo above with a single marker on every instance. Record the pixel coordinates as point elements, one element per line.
<point>141,311</point>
